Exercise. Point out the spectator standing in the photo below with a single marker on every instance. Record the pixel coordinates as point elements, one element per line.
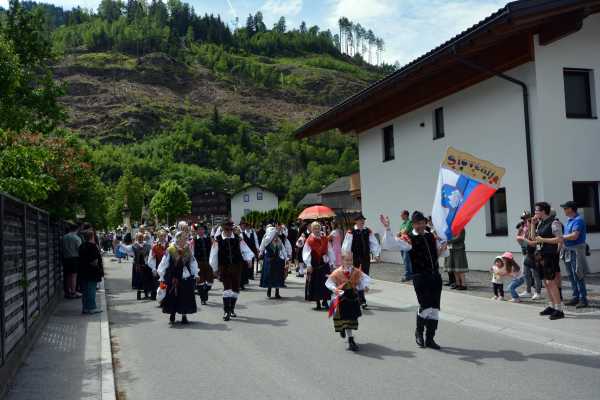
<point>532,275</point>
<point>574,253</point>
<point>547,241</point>
<point>70,246</point>
<point>91,270</point>
<point>406,229</point>
<point>456,263</point>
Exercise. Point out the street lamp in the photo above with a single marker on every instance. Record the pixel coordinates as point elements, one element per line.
<point>126,213</point>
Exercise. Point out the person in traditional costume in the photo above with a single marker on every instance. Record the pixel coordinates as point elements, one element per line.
<point>157,252</point>
<point>227,254</point>
<point>346,282</point>
<point>142,278</point>
<point>303,234</point>
<point>318,256</point>
<point>274,255</point>
<point>178,269</point>
<point>202,246</point>
<point>361,242</point>
<point>251,239</point>
<point>424,251</point>
<point>282,230</point>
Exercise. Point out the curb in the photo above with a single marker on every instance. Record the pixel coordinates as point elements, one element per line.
<point>107,383</point>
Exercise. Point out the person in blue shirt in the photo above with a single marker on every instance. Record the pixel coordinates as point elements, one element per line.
<point>574,254</point>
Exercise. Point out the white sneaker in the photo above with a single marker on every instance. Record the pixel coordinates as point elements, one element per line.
<point>535,296</point>
<point>501,298</point>
<point>525,294</point>
<point>495,298</point>
<point>515,300</point>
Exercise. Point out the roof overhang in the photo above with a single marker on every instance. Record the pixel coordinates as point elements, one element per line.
<point>500,42</point>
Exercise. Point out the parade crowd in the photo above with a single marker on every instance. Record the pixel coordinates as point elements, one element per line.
<point>173,265</point>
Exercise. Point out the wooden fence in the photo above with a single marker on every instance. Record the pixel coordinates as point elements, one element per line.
<point>30,269</point>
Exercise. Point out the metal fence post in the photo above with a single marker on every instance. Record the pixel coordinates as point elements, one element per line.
<point>48,236</point>
<point>2,300</point>
<point>24,281</point>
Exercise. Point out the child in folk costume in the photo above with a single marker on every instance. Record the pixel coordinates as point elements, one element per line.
<point>178,269</point>
<point>303,235</point>
<point>227,254</point>
<point>274,254</point>
<point>346,282</point>
<point>202,246</point>
<point>318,256</point>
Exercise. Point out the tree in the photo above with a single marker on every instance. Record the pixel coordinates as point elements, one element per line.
<point>110,10</point>
<point>259,23</point>
<point>158,12</point>
<point>131,189</point>
<point>250,25</point>
<point>303,29</point>
<point>170,201</point>
<point>32,100</point>
<point>280,25</point>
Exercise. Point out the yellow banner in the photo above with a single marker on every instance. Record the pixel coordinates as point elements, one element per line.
<point>475,168</point>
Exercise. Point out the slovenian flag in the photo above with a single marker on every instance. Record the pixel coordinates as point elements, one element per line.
<point>465,184</point>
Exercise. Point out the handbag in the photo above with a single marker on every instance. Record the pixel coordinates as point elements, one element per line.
<point>161,292</point>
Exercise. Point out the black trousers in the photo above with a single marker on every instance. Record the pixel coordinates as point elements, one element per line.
<point>498,289</point>
<point>231,276</point>
<point>428,287</point>
<point>364,262</point>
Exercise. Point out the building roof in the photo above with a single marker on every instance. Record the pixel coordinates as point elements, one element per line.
<point>500,42</point>
<point>341,184</point>
<point>310,199</point>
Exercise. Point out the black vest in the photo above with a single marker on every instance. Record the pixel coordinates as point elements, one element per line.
<point>250,241</point>
<point>229,250</point>
<point>360,242</point>
<point>544,229</point>
<point>202,249</point>
<point>423,255</point>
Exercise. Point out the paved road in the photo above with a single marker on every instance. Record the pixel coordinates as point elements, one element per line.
<point>281,349</point>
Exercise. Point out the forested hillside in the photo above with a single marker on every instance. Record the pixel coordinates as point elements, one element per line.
<point>158,91</point>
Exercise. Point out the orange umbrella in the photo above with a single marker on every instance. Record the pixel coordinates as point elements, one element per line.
<point>316,212</point>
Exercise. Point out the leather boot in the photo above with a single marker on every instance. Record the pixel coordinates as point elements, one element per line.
<point>419,331</point>
<point>352,346</point>
<point>269,292</point>
<point>226,309</point>
<point>139,294</point>
<point>431,325</point>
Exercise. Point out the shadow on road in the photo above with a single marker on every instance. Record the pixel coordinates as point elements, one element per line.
<point>200,325</point>
<point>369,311</point>
<point>378,351</point>
<point>260,321</point>
<point>475,356</point>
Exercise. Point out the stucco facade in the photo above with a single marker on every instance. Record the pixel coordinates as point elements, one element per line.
<point>487,120</point>
<point>253,198</point>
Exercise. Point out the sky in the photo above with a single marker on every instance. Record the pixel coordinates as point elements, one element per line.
<point>409,28</point>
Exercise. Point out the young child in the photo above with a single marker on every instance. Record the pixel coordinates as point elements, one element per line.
<point>498,270</point>
<point>516,274</point>
<point>345,282</point>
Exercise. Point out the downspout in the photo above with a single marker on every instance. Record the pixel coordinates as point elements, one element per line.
<point>525,90</point>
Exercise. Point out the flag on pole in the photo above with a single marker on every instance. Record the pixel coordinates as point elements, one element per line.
<point>465,184</point>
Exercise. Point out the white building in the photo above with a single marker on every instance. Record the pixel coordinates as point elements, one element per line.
<point>252,198</point>
<point>453,96</point>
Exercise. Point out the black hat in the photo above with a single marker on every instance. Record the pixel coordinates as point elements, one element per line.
<point>360,216</point>
<point>570,204</point>
<point>228,223</point>
<point>417,216</point>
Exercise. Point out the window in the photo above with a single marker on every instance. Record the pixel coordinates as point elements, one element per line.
<point>498,222</point>
<point>246,198</point>
<point>438,123</point>
<point>388,143</point>
<point>578,93</point>
<point>585,194</point>
<point>259,195</point>
<point>247,211</point>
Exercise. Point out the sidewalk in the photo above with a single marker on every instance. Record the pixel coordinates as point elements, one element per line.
<point>479,285</point>
<point>71,360</point>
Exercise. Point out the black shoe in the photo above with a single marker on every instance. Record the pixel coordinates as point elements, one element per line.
<point>318,307</point>
<point>226,308</point>
<point>184,320</point>
<point>203,302</point>
<point>352,346</point>
<point>343,334</point>
<point>582,305</point>
<point>557,315</point>
<point>572,302</point>
<point>461,288</point>
<point>419,332</point>
<point>364,306</point>
<point>269,293</point>
<point>431,344</point>
<point>453,286</point>
<point>226,316</point>
<point>277,295</point>
<point>448,284</point>
<point>172,319</point>
<point>325,304</point>
<point>547,311</point>
<point>139,295</point>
